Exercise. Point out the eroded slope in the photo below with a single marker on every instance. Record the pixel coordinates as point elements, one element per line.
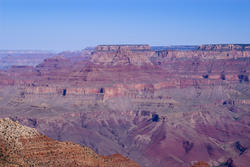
<point>23,146</point>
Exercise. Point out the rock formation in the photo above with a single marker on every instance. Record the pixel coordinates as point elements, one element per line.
<point>225,47</point>
<point>122,54</point>
<point>200,164</point>
<point>157,107</point>
<point>23,146</point>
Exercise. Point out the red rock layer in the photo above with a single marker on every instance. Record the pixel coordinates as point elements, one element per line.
<point>200,164</point>
<point>23,146</point>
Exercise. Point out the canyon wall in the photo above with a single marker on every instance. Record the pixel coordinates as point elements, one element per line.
<point>159,108</point>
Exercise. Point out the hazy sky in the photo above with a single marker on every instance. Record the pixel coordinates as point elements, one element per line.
<point>75,24</point>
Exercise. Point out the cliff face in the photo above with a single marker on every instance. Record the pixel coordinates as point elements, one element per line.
<point>204,52</point>
<point>183,106</point>
<point>122,55</point>
<point>5,80</point>
<point>23,146</point>
<point>225,47</point>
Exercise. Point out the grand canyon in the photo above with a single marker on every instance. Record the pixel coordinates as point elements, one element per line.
<point>128,105</point>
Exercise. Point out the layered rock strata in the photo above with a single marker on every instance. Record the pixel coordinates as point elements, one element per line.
<point>23,146</point>
<point>159,108</point>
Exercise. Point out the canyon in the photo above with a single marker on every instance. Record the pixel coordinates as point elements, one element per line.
<point>158,106</point>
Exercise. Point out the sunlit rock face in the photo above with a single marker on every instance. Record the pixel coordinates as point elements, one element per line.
<point>200,164</point>
<point>23,146</point>
<point>122,55</point>
<point>158,107</point>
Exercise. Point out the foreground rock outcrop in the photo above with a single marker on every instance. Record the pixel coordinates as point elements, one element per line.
<point>23,146</point>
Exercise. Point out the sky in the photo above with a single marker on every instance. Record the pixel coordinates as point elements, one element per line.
<point>75,24</point>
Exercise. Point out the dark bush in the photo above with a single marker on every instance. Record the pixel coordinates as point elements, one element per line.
<point>243,78</point>
<point>223,77</point>
<point>155,117</point>
<point>187,146</point>
<point>240,147</point>
<point>64,92</point>
<point>101,90</point>
<point>205,76</point>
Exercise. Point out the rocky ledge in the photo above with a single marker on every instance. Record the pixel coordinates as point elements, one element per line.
<point>122,55</point>
<point>225,47</point>
<point>23,146</point>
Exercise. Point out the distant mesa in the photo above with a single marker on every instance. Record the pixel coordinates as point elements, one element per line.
<point>135,54</point>
<point>122,55</point>
<point>126,47</point>
<point>224,47</point>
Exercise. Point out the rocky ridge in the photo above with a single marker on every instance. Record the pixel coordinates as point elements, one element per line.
<point>23,146</point>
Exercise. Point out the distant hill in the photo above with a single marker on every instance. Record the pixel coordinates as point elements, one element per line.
<point>10,58</point>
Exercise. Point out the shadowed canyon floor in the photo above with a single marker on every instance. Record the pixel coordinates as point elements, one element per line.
<point>161,108</point>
